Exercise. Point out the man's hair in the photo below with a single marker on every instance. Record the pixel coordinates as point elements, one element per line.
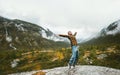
<point>69,33</point>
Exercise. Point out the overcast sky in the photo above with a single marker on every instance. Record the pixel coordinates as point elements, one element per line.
<point>87,17</point>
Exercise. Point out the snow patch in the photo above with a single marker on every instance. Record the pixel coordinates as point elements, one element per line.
<point>19,26</point>
<point>52,37</point>
<point>14,63</point>
<point>44,35</point>
<point>8,38</point>
<point>116,30</point>
<point>12,46</point>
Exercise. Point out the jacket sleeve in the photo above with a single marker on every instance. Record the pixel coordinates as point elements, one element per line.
<point>63,35</point>
<point>75,33</point>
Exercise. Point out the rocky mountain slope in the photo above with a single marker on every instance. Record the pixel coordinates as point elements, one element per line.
<point>108,35</point>
<point>79,70</point>
<point>112,29</point>
<point>17,34</point>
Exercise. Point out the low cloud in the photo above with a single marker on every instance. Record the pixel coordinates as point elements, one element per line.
<point>87,17</point>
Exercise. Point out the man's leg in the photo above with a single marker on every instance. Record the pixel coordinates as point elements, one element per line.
<point>76,57</point>
<point>72,59</point>
<point>73,56</point>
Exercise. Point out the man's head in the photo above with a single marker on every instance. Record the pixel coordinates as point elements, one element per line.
<point>69,33</point>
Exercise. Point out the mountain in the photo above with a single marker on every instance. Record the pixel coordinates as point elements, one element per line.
<point>108,35</point>
<point>105,45</point>
<point>79,70</point>
<point>112,29</point>
<point>17,34</point>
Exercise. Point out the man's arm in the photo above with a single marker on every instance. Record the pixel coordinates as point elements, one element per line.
<point>75,33</point>
<point>63,35</point>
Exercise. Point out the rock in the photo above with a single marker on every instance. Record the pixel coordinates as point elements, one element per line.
<point>78,70</point>
<point>39,73</point>
<point>84,70</point>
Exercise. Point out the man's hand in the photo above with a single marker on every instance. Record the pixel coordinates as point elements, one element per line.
<point>57,34</point>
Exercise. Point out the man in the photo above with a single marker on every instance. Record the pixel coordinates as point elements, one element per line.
<point>74,57</point>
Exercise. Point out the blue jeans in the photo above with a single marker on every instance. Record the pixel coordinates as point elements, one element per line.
<point>74,57</point>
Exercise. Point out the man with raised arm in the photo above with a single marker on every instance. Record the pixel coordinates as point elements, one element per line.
<point>74,58</point>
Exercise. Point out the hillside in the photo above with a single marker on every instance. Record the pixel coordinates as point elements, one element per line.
<point>17,34</point>
<point>104,49</point>
<point>16,61</point>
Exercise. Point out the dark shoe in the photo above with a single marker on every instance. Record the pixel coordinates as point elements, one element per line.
<point>69,66</point>
<point>73,66</point>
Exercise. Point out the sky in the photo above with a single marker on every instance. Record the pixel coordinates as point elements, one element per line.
<point>87,17</point>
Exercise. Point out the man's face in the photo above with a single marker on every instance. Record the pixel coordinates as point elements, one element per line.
<point>69,33</point>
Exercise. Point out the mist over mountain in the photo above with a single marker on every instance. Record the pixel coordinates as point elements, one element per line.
<point>108,35</point>
<point>112,29</point>
<point>17,34</point>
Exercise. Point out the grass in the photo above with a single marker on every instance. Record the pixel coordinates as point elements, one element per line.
<point>37,59</point>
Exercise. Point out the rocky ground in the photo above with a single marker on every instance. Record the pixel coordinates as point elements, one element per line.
<point>79,70</point>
